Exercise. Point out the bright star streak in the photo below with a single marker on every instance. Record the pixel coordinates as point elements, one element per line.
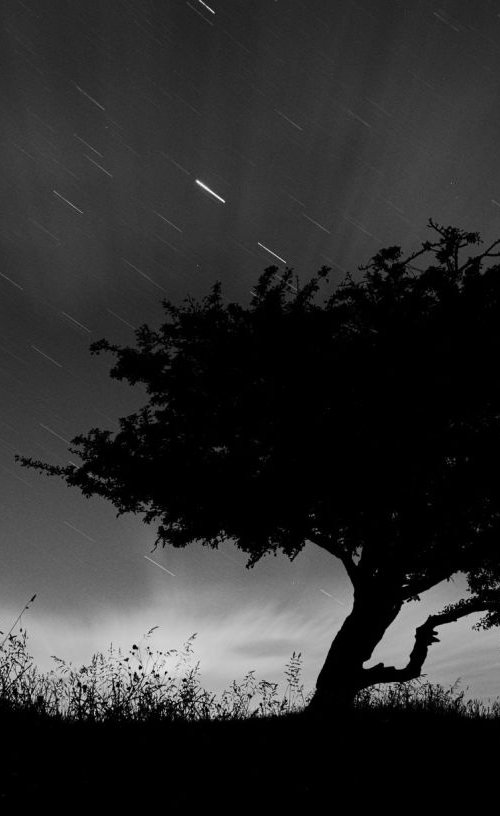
<point>159,565</point>
<point>167,221</point>
<point>207,7</point>
<point>290,121</point>
<point>88,145</point>
<point>11,281</point>
<point>271,252</point>
<point>79,531</point>
<point>204,187</point>
<point>331,596</point>
<point>121,319</point>
<point>47,356</point>
<point>91,98</point>
<point>99,166</point>
<point>321,227</point>
<point>144,275</point>
<point>77,322</point>
<point>67,202</point>
<point>46,428</point>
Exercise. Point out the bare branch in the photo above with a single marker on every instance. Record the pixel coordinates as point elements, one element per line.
<point>435,226</point>
<point>426,247</point>
<point>425,636</point>
<point>486,254</point>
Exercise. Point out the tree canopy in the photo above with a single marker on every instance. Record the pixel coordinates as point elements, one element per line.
<point>368,424</point>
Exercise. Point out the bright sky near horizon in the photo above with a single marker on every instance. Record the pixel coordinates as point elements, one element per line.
<point>148,148</point>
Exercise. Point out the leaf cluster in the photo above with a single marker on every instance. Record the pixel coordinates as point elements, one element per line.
<point>368,423</point>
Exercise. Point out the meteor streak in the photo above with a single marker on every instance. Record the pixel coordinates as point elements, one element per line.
<point>271,252</point>
<point>204,187</point>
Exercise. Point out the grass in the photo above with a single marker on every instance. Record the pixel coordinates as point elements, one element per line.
<point>135,688</point>
<point>127,729</point>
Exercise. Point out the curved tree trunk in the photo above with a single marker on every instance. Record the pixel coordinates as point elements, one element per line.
<point>376,605</point>
<point>342,676</point>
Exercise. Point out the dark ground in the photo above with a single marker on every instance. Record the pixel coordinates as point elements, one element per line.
<point>418,763</point>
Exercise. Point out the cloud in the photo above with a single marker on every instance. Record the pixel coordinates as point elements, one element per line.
<point>229,643</point>
<point>234,637</point>
<point>270,647</point>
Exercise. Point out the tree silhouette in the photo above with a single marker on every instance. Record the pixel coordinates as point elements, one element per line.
<point>368,426</point>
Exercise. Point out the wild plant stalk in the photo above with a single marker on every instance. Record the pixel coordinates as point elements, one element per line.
<point>138,687</point>
<point>16,620</point>
<point>134,687</point>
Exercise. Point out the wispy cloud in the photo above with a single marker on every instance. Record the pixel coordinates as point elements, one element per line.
<point>233,639</point>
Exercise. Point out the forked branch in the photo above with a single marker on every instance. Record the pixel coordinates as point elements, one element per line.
<point>425,636</point>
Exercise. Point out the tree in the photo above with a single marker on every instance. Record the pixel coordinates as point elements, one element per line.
<point>368,426</point>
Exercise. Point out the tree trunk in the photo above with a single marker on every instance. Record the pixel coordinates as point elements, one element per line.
<point>375,607</point>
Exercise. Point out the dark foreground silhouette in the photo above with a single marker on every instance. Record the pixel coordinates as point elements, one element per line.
<point>368,426</point>
<point>125,731</point>
<point>364,760</point>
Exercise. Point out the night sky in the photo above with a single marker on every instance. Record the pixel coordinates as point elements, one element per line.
<point>329,130</point>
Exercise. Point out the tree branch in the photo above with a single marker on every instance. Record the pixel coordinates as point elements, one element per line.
<point>426,247</point>
<point>486,254</point>
<point>417,587</point>
<point>425,636</point>
<point>334,549</point>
